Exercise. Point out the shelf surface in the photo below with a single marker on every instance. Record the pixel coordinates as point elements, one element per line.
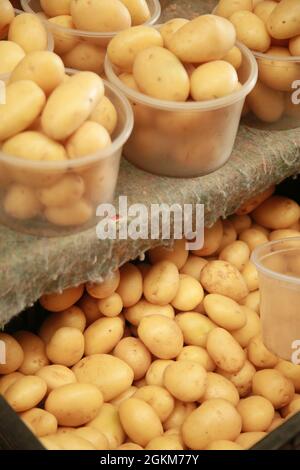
<point>31,266</point>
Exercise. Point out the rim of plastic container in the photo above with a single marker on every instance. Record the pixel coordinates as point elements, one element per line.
<point>256,259</point>
<point>87,159</point>
<point>193,105</point>
<point>50,42</point>
<point>88,34</point>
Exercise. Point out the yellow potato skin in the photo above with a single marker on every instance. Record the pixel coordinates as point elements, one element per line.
<point>11,55</point>
<point>100,15</point>
<point>28,31</point>
<point>251,30</point>
<point>7,13</point>
<point>139,11</point>
<point>56,7</point>
<point>284,22</point>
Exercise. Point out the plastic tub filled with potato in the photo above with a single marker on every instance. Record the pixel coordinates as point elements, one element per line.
<point>82,29</point>
<point>62,137</point>
<point>187,82</point>
<point>272,31</point>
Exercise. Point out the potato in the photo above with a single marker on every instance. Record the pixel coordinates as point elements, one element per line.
<point>80,94</point>
<point>216,39</point>
<point>155,373</point>
<point>28,31</point>
<point>212,239</point>
<point>125,46</point>
<point>251,329</point>
<point>252,301</point>
<point>135,354</point>
<point>89,306</point>
<point>63,42</point>
<point>159,74</point>
<point>291,408</point>
<point>240,222</point>
<point>7,13</point>
<point>294,46</point>
<point>278,74</point>
<point>178,254</point>
<point>220,387</point>
<point>161,335</point>
<point>224,311</point>
<point>226,8</point>
<point>89,139</point>
<point>129,81</point>
<point>284,21</point>
<point>11,55</point>
<point>24,102</point>
<point>108,423</point>
<point>261,229</point>
<point>25,393</point>
<point>63,300</point>
<point>223,445</point>
<point>66,346</point>
<point>139,421</point>
<point>175,434</point>
<point>265,103</point>
<point>225,350</point>
<point>20,202</point>
<point>176,419</point>
<point>13,354</point>
<point>242,380</point>
<point>193,266</point>
<point>103,335</point>
<point>249,439</point>
<point>199,355</point>
<point>185,380</point>
<point>67,191</point>
<point>250,275</point>
<point>161,284</point>
<point>105,288</point>
<point>130,287</point>
<point>236,253</point>
<point>220,277</point>
<point>290,371</point>
<point>105,114</point>
<point>67,441</point>
<point>164,443</point>
<point>259,355</point>
<point>112,306</point>
<point>72,317</point>
<point>190,293</point>
<point>93,369</point>
<point>264,9</point>
<point>8,379</point>
<point>272,385</point>
<point>100,15</point>
<point>143,309</point>
<point>124,396</point>
<point>56,376</point>
<point>56,7</point>
<point>34,352</point>
<point>214,419</point>
<point>283,233</point>
<point>85,56</point>
<point>251,30</point>
<point>278,212</point>
<point>139,11</point>
<point>158,398</point>
<point>213,80</point>
<point>257,413</point>
<point>195,328</point>
<point>255,201</point>
<point>229,235</point>
<point>234,57</point>
<point>170,27</point>
<point>253,238</point>
<point>40,422</point>
<point>92,435</point>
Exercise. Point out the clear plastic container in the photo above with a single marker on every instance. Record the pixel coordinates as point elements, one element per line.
<point>278,265</point>
<point>185,139</point>
<point>94,176</point>
<point>68,42</point>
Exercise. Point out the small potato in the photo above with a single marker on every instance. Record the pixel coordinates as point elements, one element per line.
<point>92,435</point>
<point>25,393</point>
<point>125,46</point>
<point>251,30</point>
<point>265,103</point>
<point>249,439</point>
<point>240,222</point>
<point>93,369</point>
<point>67,441</point>
<point>178,254</point>
<point>56,7</point>
<point>112,306</point>
<point>20,202</point>
<point>8,379</point>
<point>224,311</point>
<point>63,42</point>
<point>135,354</point>
<point>13,353</point>
<point>236,253</point>
<point>34,352</point>
<point>161,335</point>
<point>155,373</point>
<point>213,80</point>
<point>40,422</point>
<point>259,355</point>
<point>75,214</point>
<point>250,275</point>
<point>221,277</point>
<point>185,380</point>
<point>252,301</point>
<point>89,138</point>
<point>140,421</point>
<point>199,355</point>
<point>28,31</point>
<point>11,55</point>
<point>62,301</point>
<point>223,445</point>
<point>272,385</point>
<point>226,8</point>
<point>161,284</point>
<point>7,13</point>
<point>253,238</point>
<point>170,27</point>
<point>130,287</point>
<point>212,240</point>
<point>74,404</point>
<point>56,376</point>
<point>283,233</point>
<point>290,371</point>
<point>139,11</point>
<point>129,81</point>
<point>89,305</point>
<point>264,9</point>
<point>251,329</point>
<point>100,15</point>
<point>177,417</point>
<point>193,266</point>
<point>189,294</point>
<point>124,396</point>
<point>278,74</point>
<point>214,419</point>
<point>66,346</point>
<point>225,351</point>
<point>105,114</point>
<point>261,229</point>
<point>106,288</point>
<point>195,328</point>
<point>277,212</point>
<point>242,380</point>
<point>143,309</point>
<point>86,57</point>
<point>66,191</point>
<point>108,423</point>
<point>158,398</point>
<point>159,74</point>
<point>44,68</point>
<point>256,412</point>
<point>219,386</point>
<point>103,335</point>
<point>234,57</point>
<point>72,317</point>
<point>284,22</point>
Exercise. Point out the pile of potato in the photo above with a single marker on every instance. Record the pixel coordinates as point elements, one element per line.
<point>52,117</point>
<point>270,27</point>
<point>165,354</point>
<point>19,35</point>
<point>87,52</point>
